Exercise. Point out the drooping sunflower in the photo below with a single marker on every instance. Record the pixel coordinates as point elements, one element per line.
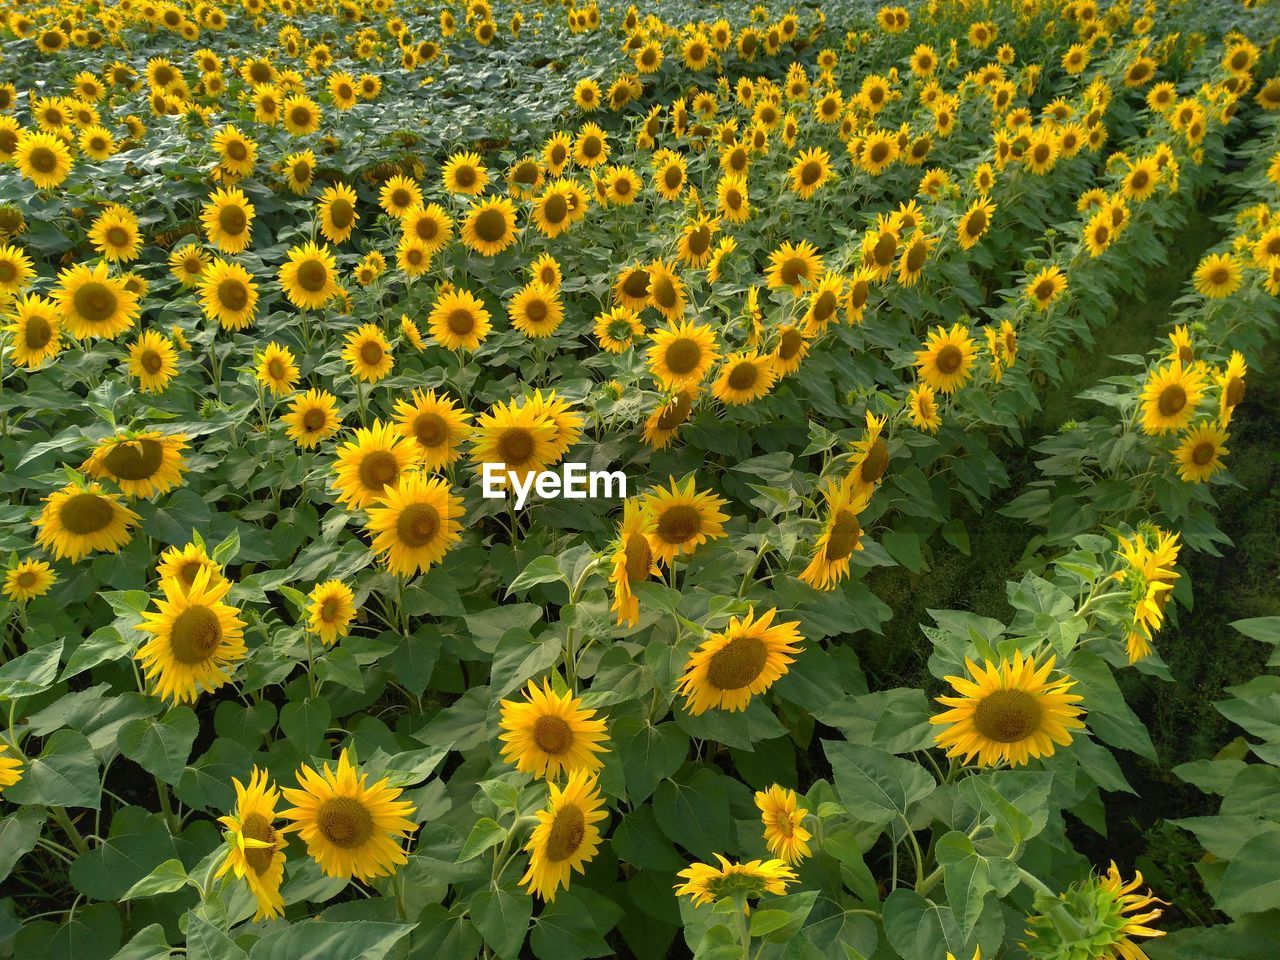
<point>536,310</point>
<point>682,353</point>
<point>28,579</point>
<point>35,331</point>
<point>255,848</point>
<point>141,464</point>
<point>945,362</point>
<point>78,520</point>
<point>435,424</point>
<point>153,360</point>
<point>1231,386</point>
<point>115,234</point>
<point>740,662</point>
<point>310,276</point>
<point>415,524</point>
<point>459,321</point>
<point>744,377</point>
<point>517,436</point>
<point>1170,396</point>
<point>682,518</point>
<point>228,220</point>
<point>566,836</point>
<point>922,408</point>
<point>793,265</point>
<point>706,884</point>
<point>312,417</point>
<point>465,173</point>
<point>93,303</point>
<point>10,767</point>
<point>331,606</point>
<point>228,294</point>
<point>548,734</point>
<point>975,223</point>
<point>183,564</point>
<point>841,534</point>
<point>378,457</point>
<point>869,460</point>
<point>1008,711</point>
<point>368,354</point>
<point>338,214</point>
<point>1199,455</point>
<point>783,819</point>
<point>633,562</point>
<point>809,172</point>
<point>42,158</point>
<point>350,828</point>
<point>196,639</point>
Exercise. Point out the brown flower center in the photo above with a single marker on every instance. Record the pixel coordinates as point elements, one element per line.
<point>195,635</point>
<point>679,524</point>
<point>95,302</point>
<point>738,663</point>
<point>876,462</point>
<point>683,356</point>
<point>313,276</point>
<point>38,332</point>
<point>461,322</point>
<point>843,537</point>
<point>743,376</point>
<point>1172,400</point>
<point>377,469</point>
<point>257,827</point>
<point>345,822</point>
<point>86,513</point>
<point>371,353</point>
<point>1007,716</point>
<point>516,446</point>
<point>232,220</point>
<point>341,213</point>
<point>233,294</point>
<point>418,525</point>
<point>491,226</point>
<point>1203,453</point>
<point>552,735</point>
<point>134,459</point>
<point>556,208</point>
<point>949,359</point>
<point>566,835</point>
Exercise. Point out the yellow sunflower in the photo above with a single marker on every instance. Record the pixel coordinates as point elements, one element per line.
<point>435,424</point>
<point>187,263</point>
<point>794,265</point>
<point>633,562</point>
<point>922,408</point>
<point>255,848</point>
<point>277,369</point>
<point>78,520</point>
<point>490,226</point>
<point>115,234</point>
<point>1199,455</point>
<point>975,223</point>
<point>465,173</point>
<point>228,220</point>
<point>299,169</point>
<point>459,321</point>
<point>740,662</point>
<point>518,437</point>
<point>368,354</point>
<point>1231,385</point>
<point>236,152</point>
<point>1170,396</point>
<point>809,172</point>
<point>617,329</point>
<point>10,767</point>
<point>376,459</point>
<point>338,213</point>
<point>399,195</point>
<point>566,835</point>
<point>35,331</point>
<point>183,564</point>
<point>682,353</point>
<point>42,158</point>
<point>351,829</point>
<point>312,417</point>
<point>706,884</point>
<point>301,115</point>
<point>744,377</point>
<point>1046,287</point>
<point>153,360</point>
<point>667,418</point>
<point>1008,711</point>
<point>310,276</point>
<point>93,303</point>
<point>536,310</point>
<point>196,639</point>
<point>141,464</point>
<point>667,292</point>
<point>681,518</point>
<point>1218,275</point>
<point>783,819</point>
<point>548,734</point>
<point>841,534</point>
<point>331,606</point>
<point>228,294</point>
<point>27,580</point>
<point>415,524</point>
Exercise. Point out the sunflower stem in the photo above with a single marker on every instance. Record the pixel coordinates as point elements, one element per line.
<point>166,807</point>
<point>60,815</point>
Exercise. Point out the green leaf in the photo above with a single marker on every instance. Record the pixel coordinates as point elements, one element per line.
<point>206,784</point>
<point>161,747</point>
<point>64,775</point>
<point>305,723</point>
<point>18,835</point>
<point>917,927</point>
<point>639,841</point>
<point>339,666</point>
<point>905,548</point>
<point>502,916</point>
<point>149,943</point>
<point>967,878</point>
<point>649,754</point>
<point>545,569</point>
<point>138,843</point>
<point>207,942</point>
<point>519,657</point>
<point>169,877</point>
<point>348,940</point>
<point>875,785</point>
<point>1251,883</point>
<point>441,934</point>
<point>572,927</point>
<point>694,812</point>
<point>1015,800</point>
<point>31,673</point>
<point>486,834</point>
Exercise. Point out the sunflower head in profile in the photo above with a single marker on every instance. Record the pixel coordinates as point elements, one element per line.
<point>331,606</point>
<point>1008,711</point>
<point>1102,917</point>
<point>93,303</point>
<point>459,321</point>
<point>142,464</point>
<point>1199,454</point>
<point>566,836</point>
<point>516,435</point>
<point>945,362</point>
<point>352,829</point>
<point>80,519</point>
<point>633,562</point>
<point>744,378</point>
<point>436,424</point>
<point>869,460</point>
<point>706,884</point>
<point>1231,386</point>
<point>367,465</point>
<point>1170,396</point>
<point>196,639</point>
<point>841,535</point>
<point>28,579</point>
<point>255,847</point>
<point>310,276</point>
<point>414,525</point>
<point>662,425</point>
<point>740,662</point>
<point>548,734</point>
<point>975,223</point>
<point>338,214</point>
<point>35,331</point>
<point>922,408</point>
<point>681,354</point>
<point>914,257</point>
<point>682,518</point>
<point>783,819</point>
<point>312,417</point>
<point>368,354</point>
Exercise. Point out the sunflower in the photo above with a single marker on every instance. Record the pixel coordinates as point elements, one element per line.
<point>633,562</point>
<point>841,534</point>
<point>27,580</point>
<point>824,302</point>
<point>1170,396</point>
<point>706,884</point>
<point>1231,383</point>
<point>694,245</point>
<point>331,606</point>
<point>733,199</point>
<point>1009,711</point>
<point>914,258</point>
<point>368,354</point>
<point>809,172</point>
<point>975,223</point>
<point>183,564</point>
<point>524,177</point>
<point>790,350</point>
<point>299,169</point>
<point>870,457</point>
<point>631,288</point>
<point>301,115</point>
<point>1199,455</point>
<point>516,436</point>
<point>409,330</point>
<point>490,226</point>
<point>617,329</point>
<point>416,524</point>
<point>228,294</point>
<point>682,518</point>
<point>351,829</point>
<point>621,185</point>
<point>946,360</point>
<point>555,152</point>
<point>399,195</point>
<point>546,270</point>
<point>16,270</point>
<point>1102,914</point>
<point>459,321</point>
<point>187,263</point>
<point>338,213</point>
<point>783,819</point>
<point>115,234</point>
<point>793,266</point>
<point>464,173</point>
<point>140,464</point>
<point>667,293</point>
<point>667,418</point>
<point>744,378</point>
<point>1046,287</point>
<point>552,212</point>
<point>376,459</point>
<point>313,416</point>
<point>670,174</point>
<point>35,331</point>
<point>196,639</point>
<point>548,734</point>
<point>309,277</point>
<point>536,311</point>
<point>10,767</point>
<point>435,424</point>
<point>277,369</point>
<point>566,836</point>
<point>42,158</point>
<point>922,407</point>
<point>1099,232</point>
<point>228,220</point>
<point>78,520</point>
<point>236,152</point>
<point>153,360</point>
<point>93,303</point>
<point>878,152</point>
<point>682,353</point>
<point>255,848</point>
<point>1218,276</point>
<point>590,147</point>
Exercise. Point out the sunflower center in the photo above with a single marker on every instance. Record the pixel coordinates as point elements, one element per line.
<point>276,368</point>
<point>556,208</point>
<point>233,294</point>
<point>430,429</point>
<point>673,176</point>
<point>977,223</point>
<point>465,176</point>
<point>342,213</point>
<point>491,226</point>
<point>1203,453</point>
<point>526,172</point>
<point>567,832</point>
<point>516,445</point>
<point>552,734</point>
<point>1235,391</point>
<point>401,197</point>
<point>639,557</point>
<point>151,362</point>
<point>236,150</point>
<point>733,198</point>
<point>675,413</point>
<point>313,420</point>
<point>1219,276</point>
<point>302,171</point>
<point>949,359</point>
<point>679,524</point>
<point>699,240</point>
<point>418,525</point>
<point>790,344</point>
<point>876,461</point>
<point>43,160</point>
<point>743,376</point>
<point>683,356</point>
<point>916,256</point>
<point>664,295</point>
<point>843,537</point>
<point>39,331</point>
<point>794,269</point>
<point>885,249</point>
<point>26,579</point>
<point>345,822</point>
<point>378,469</point>
<point>86,513</point>
<point>118,237</point>
<point>257,827</point>
<point>1172,400</point>
<point>195,635</point>
<point>135,459</point>
<point>738,663</point>
<point>1139,181</point>
<point>824,306</point>
<point>95,301</point>
<point>371,352</point>
<point>536,311</point>
<point>300,116</point>
<point>461,322</point>
<point>1007,716</point>
<point>1044,290</point>
<point>591,146</point>
<point>810,173</point>
<point>636,284</point>
<point>313,276</point>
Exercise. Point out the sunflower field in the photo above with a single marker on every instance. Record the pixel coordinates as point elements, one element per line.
<point>529,479</point>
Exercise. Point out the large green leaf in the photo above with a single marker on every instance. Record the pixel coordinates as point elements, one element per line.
<point>876,786</point>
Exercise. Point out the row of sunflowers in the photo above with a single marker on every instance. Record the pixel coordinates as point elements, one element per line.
<point>280,280</point>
